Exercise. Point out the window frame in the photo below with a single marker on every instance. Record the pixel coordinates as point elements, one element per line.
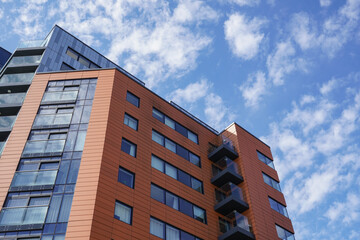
<point>130,96</point>
<point>128,117</point>
<point>129,143</point>
<point>124,205</point>
<point>132,184</point>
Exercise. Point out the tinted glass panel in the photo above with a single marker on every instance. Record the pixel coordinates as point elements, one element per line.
<point>184,178</point>
<point>126,177</point>
<point>128,147</point>
<point>186,207</point>
<point>172,201</point>
<point>123,212</point>
<point>133,99</point>
<point>157,193</point>
<point>182,152</point>
<point>179,128</point>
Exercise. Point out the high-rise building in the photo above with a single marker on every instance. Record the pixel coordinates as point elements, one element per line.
<point>4,56</point>
<point>88,152</point>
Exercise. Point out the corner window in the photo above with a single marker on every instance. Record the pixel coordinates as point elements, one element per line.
<point>131,122</point>
<point>268,180</point>
<point>128,147</point>
<point>123,212</point>
<point>131,98</point>
<point>284,234</point>
<point>278,207</point>
<point>265,160</point>
<point>126,177</point>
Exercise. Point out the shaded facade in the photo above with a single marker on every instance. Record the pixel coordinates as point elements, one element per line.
<point>4,56</point>
<point>90,153</point>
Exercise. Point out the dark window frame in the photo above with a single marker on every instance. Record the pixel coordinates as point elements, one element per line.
<point>130,96</point>
<point>130,143</point>
<point>126,205</point>
<point>132,184</point>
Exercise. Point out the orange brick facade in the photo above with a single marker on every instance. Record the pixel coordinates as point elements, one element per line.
<point>97,187</point>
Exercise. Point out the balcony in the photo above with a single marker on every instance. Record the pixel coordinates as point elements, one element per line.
<point>235,226</point>
<point>12,98</point>
<point>33,44</point>
<point>229,197</point>
<point>226,149</point>
<point>224,171</point>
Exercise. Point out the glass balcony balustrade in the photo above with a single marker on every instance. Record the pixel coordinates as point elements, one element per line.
<point>7,121</point>
<point>12,98</point>
<point>226,149</point>
<point>59,96</point>
<point>18,78</point>
<point>23,216</point>
<point>32,43</point>
<point>229,197</point>
<point>48,120</point>
<point>44,147</point>
<point>24,179</point>
<point>2,145</point>
<point>225,170</point>
<point>25,60</point>
<point>235,226</point>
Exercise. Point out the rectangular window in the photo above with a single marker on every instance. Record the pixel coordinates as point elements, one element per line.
<point>123,212</point>
<point>126,177</point>
<point>131,122</point>
<point>268,180</point>
<point>175,125</point>
<point>278,207</point>
<point>128,147</point>
<point>131,98</point>
<point>178,203</point>
<point>176,173</point>
<point>80,58</point>
<point>265,160</point>
<point>284,234</point>
<point>66,67</point>
<point>168,232</point>
<point>176,148</point>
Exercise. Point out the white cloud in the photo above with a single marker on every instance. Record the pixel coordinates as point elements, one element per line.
<point>245,2</point>
<point>243,35</point>
<point>328,87</point>
<point>301,32</point>
<point>217,113</point>
<point>283,62</point>
<point>307,99</point>
<point>345,212</point>
<point>253,89</point>
<point>325,3</point>
<point>191,93</point>
<point>1,13</point>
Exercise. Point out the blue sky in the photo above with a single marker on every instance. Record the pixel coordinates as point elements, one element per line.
<point>287,71</point>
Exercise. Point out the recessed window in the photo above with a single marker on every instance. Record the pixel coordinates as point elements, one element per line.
<point>131,98</point>
<point>265,160</point>
<point>65,67</point>
<point>126,177</point>
<point>128,147</point>
<point>176,173</point>
<point>278,207</point>
<point>157,193</point>
<point>130,121</point>
<point>284,234</point>
<point>123,212</point>
<point>268,180</point>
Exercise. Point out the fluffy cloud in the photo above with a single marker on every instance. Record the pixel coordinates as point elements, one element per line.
<point>253,89</point>
<point>325,3</point>
<point>283,61</point>
<point>339,211</point>
<point>191,93</point>
<point>246,2</point>
<point>217,113</point>
<point>243,35</point>
<point>332,34</point>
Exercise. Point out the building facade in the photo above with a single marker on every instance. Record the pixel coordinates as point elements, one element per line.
<point>88,152</point>
<point>4,56</point>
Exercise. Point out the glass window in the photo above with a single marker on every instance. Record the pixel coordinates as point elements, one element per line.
<point>24,60</point>
<point>131,98</point>
<point>72,54</point>
<point>157,163</point>
<point>158,115</point>
<point>284,234</point>
<point>266,160</point>
<point>131,122</point>
<point>170,145</point>
<point>157,228</point>
<point>278,207</point>
<point>84,61</point>
<point>172,201</point>
<point>197,185</point>
<point>186,236</point>
<point>194,159</point>
<point>49,165</point>
<point>158,138</point>
<point>171,171</point>
<point>157,193</point>
<point>169,122</point>
<point>172,233</point>
<point>126,177</point>
<point>16,201</point>
<point>199,214</point>
<point>182,152</point>
<point>180,129</point>
<point>186,207</point>
<point>271,182</point>
<point>193,137</point>
<point>128,147</point>
<point>123,212</point>
<point>66,67</point>
<point>38,201</point>
<point>184,178</point>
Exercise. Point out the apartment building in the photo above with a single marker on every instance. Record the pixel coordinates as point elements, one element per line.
<point>88,152</point>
